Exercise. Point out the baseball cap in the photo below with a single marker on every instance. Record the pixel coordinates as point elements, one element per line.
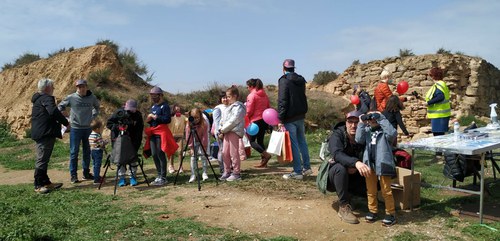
<point>156,90</point>
<point>353,113</point>
<point>131,105</point>
<point>80,82</point>
<point>289,63</point>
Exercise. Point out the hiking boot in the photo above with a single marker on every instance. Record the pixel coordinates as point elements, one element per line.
<point>346,215</point>
<point>233,177</point>
<point>307,172</point>
<point>389,220</point>
<point>122,182</point>
<point>53,186</point>
<point>98,182</point>
<point>264,159</point>
<point>293,175</point>
<point>42,190</point>
<point>371,217</point>
<point>74,179</point>
<point>204,176</point>
<point>133,181</point>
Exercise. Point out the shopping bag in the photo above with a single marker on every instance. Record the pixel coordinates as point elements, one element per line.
<point>276,143</point>
<point>287,148</point>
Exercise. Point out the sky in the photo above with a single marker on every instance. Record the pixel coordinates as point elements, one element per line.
<point>190,45</point>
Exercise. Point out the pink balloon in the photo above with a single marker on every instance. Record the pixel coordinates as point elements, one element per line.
<point>270,116</point>
<point>354,99</point>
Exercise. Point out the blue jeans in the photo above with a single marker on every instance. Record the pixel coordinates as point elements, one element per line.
<point>75,137</point>
<point>300,151</point>
<point>158,156</point>
<point>97,162</point>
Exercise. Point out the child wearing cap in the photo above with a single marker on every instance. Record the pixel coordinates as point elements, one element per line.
<point>375,131</point>
<point>127,121</point>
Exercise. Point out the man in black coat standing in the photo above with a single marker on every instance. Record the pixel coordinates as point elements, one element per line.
<point>46,121</point>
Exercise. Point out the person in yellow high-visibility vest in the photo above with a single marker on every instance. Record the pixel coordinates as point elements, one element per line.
<point>438,103</point>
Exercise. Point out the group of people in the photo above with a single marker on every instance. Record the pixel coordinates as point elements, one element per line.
<point>361,146</point>
<point>228,128</point>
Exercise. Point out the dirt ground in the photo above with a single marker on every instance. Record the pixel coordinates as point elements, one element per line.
<point>311,217</point>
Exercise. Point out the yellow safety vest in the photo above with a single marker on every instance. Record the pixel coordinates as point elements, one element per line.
<point>441,109</point>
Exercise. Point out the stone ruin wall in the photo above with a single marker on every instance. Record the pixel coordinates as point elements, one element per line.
<point>473,82</point>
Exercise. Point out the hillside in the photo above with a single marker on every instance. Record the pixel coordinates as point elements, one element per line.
<point>19,84</point>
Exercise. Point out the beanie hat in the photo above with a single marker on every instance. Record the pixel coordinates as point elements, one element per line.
<point>156,90</point>
<point>131,105</point>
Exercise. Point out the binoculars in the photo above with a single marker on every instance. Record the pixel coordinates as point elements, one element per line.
<point>371,116</point>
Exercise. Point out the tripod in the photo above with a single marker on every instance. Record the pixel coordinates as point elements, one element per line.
<point>196,142</point>
<point>135,158</point>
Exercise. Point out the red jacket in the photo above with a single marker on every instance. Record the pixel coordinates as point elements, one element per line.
<point>257,102</point>
<point>168,144</point>
<point>382,93</point>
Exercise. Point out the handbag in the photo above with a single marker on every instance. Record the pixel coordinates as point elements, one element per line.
<point>276,143</point>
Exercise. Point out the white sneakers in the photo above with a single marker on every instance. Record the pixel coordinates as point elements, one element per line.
<point>204,177</point>
<point>293,175</point>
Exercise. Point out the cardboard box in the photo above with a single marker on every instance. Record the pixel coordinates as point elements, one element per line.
<point>401,188</point>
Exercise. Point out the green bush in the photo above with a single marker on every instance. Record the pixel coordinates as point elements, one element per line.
<point>325,77</point>
<point>355,62</point>
<point>109,43</point>
<point>6,135</point>
<point>26,58</point>
<point>100,77</point>
<point>405,53</point>
<point>60,51</point>
<point>104,95</point>
<point>443,51</point>
<point>467,120</point>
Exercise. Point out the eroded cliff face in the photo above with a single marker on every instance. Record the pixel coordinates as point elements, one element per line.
<point>19,84</point>
<point>474,84</point>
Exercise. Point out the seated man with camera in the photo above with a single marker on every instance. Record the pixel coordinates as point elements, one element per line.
<point>127,121</point>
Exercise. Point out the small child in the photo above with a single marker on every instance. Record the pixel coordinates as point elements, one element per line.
<point>201,127</point>
<point>377,133</point>
<point>231,131</point>
<point>97,146</point>
<point>392,113</point>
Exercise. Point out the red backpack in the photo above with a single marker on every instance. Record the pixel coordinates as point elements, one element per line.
<point>402,158</point>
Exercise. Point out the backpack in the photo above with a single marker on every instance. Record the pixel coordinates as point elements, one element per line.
<point>324,152</point>
<point>402,158</point>
<point>322,178</point>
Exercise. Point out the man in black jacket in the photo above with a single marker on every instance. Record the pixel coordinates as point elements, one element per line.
<point>46,122</point>
<point>292,109</point>
<point>127,121</point>
<point>347,170</point>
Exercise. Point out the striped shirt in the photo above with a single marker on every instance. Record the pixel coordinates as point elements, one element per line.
<point>96,141</point>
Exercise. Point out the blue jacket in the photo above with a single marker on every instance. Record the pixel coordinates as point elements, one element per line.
<point>162,111</point>
<point>378,156</point>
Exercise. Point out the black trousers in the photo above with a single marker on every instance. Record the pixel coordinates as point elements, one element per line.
<point>345,184</point>
<point>43,150</point>
<point>257,141</point>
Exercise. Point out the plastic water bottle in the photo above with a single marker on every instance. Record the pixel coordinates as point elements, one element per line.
<point>456,130</point>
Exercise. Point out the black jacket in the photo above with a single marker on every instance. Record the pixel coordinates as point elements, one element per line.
<point>342,150</point>
<point>46,119</point>
<point>292,100</point>
<point>396,119</point>
<point>135,126</point>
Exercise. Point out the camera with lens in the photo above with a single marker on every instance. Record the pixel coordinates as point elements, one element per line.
<point>371,116</point>
<point>123,117</point>
<point>191,121</point>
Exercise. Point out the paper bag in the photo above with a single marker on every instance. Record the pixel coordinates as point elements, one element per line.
<point>276,143</point>
<point>287,148</point>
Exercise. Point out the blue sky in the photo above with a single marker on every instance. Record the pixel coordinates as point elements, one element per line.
<point>191,44</point>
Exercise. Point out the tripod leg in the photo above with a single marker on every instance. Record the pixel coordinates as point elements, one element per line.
<point>182,158</point>
<point>105,171</point>
<point>116,177</point>
<point>206,156</point>
<point>141,165</point>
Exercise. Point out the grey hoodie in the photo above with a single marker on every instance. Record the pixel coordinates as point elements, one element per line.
<point>83,109</point>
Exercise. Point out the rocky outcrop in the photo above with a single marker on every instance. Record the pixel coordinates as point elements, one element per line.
<point>20,83</point>
<point>474,84</point>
